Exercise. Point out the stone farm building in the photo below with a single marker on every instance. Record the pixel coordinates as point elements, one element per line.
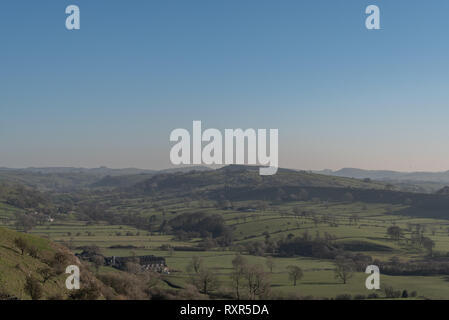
<point>151,262</point>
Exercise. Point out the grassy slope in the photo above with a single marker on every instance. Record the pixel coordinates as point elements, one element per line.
<point>14,267</point>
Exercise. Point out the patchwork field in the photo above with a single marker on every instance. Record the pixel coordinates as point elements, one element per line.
<point>359,226</point>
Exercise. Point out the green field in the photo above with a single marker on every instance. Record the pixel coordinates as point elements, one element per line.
<point>278,221</point>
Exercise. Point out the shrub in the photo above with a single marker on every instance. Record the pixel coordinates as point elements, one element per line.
<point>127,285</point>
<point>33,252</point>
<point>343,296</point>
<point>4,295</point>
<point>56,297</point>
<point>21,244</point>
<point>46,273</point>
<point>373,296</point>
<point>33,288</point>
<point>90,292</point>
<point>59,262</point>
<point>391,293</point>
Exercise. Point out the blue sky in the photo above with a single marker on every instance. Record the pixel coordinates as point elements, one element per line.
<point>111,93</point>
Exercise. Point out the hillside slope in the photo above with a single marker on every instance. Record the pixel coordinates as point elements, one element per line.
<point>40,254</point>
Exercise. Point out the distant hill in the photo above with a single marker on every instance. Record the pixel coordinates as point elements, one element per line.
<point>68,178</point>
<point>184,169</point>
<point>120,181</point>
<point>48,181</point>
<point>420,182</point>
<point>440,177</point>
<point>243,183</point>
<point>102,171</point>
<point>245,176</point>
<point>95,171</point>
<point>443,191</point>
<point>125,181</point>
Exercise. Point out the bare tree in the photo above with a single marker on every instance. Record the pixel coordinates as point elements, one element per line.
<point>428,244</point>
<point>237,276</point>
<point>433,230</point>
<point>98,261</point>
<point>295,273</point>
<point>195,264</point>
<point>354,218</point>
<point>257,282</point>
<point>270,264</point>
<point>344,270</point>
<point>206,281</point>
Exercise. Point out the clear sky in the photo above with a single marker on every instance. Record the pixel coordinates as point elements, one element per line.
<point>111,93</point>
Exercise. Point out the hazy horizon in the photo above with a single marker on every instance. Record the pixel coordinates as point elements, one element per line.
<point>206,166</point>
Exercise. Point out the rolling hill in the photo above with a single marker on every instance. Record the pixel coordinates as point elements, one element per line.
<point>67,179</point>
<point>239,176</point>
